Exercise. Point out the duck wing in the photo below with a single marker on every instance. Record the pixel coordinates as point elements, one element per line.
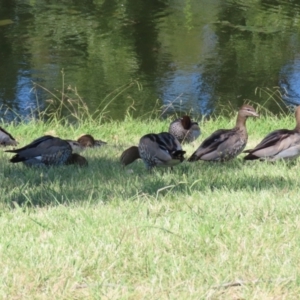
<point>212,143</point>
<point>163,147</point>
<point>46,146</point>
<point>275,142</point>
<point>42,142</point>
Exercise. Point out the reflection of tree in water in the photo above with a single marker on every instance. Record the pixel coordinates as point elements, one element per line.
<point>200,54</point>
<point>254,45</point>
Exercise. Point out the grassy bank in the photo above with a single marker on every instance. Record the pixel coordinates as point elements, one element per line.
<point>103,232</point>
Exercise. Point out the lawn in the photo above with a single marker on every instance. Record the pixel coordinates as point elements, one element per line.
<point>202,231</point>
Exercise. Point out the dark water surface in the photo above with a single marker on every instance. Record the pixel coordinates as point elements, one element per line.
<point>189,55</point>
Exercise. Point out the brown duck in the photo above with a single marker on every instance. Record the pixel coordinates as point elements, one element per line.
<point>6,139</point>
<point>161,149</point>
<point>226,144</point>
<point>279,144</point>
<point>185,130</point>
<point>85,141</point>
<point>44,151</point>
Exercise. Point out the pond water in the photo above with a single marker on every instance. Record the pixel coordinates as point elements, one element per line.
<point>176,56</point>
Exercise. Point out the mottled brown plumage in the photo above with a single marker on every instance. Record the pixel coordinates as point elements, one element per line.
<point>226,144</point>
<point>185,130</point>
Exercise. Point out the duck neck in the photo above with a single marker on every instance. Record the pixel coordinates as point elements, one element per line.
<point>297,128</point>
<point>241,122</point>
<point>130,155</point>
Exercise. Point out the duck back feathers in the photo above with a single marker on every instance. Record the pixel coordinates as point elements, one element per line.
<point>279,144</point>
<point>161,149</point>
<point>46,150</point>
<point>226,144</point>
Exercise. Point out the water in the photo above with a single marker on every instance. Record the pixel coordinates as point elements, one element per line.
<point>195,56</point>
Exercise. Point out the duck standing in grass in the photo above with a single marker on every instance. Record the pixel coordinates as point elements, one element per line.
<point>161,149</point>
<point>279,144</point>
<point>226,144</point>
<point>185,130</point>
<point>6,139</point>
<point>45,151</point>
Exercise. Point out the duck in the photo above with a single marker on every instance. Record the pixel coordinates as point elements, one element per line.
<point>226,144</point>
<point>161,150</point>
<point>85,141</point>
<point>278,144</point>
<point>185,129</point>
<point>76,159</point>
<point>44,151</point>
<point>6,139</point>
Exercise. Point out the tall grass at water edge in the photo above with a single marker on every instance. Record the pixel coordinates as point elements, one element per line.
<point>202,231</point>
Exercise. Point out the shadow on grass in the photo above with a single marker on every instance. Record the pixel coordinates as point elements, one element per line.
<point>105,180</point>
<point>62,184</point>
<point>232,176</point>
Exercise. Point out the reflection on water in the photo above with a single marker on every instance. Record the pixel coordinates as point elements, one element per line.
<point>193,56</point>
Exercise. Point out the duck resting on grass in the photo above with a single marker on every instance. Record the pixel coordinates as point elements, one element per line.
<point>46,151</point>
<point>6,139</point>
<point>185,130</point>
<point>85,141</point>
<point>279,144</point>
<point>226,144</point>
<point>162,150</point>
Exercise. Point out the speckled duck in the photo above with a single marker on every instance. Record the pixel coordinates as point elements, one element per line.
<point>185,129</point>
<point>161,149</point>
<point>226,144</point>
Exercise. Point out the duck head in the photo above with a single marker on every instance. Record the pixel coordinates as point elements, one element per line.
<point>130,155</point>
<point>247,111</point>
<point>186,122</point>
<point>86,140</point>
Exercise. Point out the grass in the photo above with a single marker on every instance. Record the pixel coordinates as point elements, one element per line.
<point>202,231</point>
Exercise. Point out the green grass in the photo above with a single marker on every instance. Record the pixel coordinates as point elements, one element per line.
<point>104,232</point>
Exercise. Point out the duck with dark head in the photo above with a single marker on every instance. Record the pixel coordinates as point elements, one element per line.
<point>226,144</point>
<point>161,150</point>
<point>85,141</point>
<point>185,129</point>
